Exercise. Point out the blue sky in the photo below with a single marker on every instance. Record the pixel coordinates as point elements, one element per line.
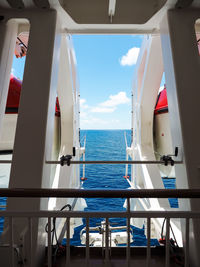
<point>105,65</point>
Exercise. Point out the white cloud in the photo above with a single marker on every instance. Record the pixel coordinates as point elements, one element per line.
<point>131,57</point>
<point>82,104</point>
<point>93,123</point>
<point>100,116</point>
<point>103,109</point>
<point>83,114</point>
<point>82,101</point>
<point>115,100</point>
<point>115,121</point>
<point>107,106</point>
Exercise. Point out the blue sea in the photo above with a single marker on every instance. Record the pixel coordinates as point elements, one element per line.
<point>110,145</point>
<point>107,145</point>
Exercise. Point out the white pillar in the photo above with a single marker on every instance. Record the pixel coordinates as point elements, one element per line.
<point>35,125</point>
<point>182,69</point>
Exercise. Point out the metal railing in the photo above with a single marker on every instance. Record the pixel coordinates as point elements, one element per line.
<point>87,215</point>
<point>114,162</point>
<point>104,162</point>
<point>128,214</point>
<point>83,193</point>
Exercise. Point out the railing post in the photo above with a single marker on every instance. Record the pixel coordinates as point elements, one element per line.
<point>68,241</point>
<point>148,241</point>
<point>49,243</point>
<point>187,242</point>
<point>30,239</point>
<point>167,258</point>
<point>128,233</point>
<point>11,241</point>
<point>87,241</point>
<point>107,244</point>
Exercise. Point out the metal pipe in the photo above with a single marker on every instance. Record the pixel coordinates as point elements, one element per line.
<point>113,162</point>
<point>83,165</point>
<point>126,166</point>
<point>62,233</point>
<point>101,214</point>
<point>103,162</point>
<point>82,193</point>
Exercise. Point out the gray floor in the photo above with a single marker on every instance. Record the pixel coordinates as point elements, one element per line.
<point>117,258</point>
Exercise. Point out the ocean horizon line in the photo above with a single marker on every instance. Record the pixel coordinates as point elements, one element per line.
<point>105,129</point>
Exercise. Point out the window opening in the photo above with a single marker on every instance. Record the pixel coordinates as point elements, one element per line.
<point>13,99</point>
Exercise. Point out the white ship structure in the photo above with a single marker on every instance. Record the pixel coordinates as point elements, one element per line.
<point>39,129</point>
<point>151,135</point>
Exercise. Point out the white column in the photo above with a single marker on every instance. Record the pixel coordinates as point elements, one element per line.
<point>35,125</point>
<point>37,105</point>
<point>182,69</point>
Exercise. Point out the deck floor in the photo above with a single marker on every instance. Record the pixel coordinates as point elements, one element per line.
<point>117,258</point>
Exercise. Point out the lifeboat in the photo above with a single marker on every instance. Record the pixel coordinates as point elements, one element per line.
<point>162,133</point>
<point>161,103</point>
<point>10,117</point>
